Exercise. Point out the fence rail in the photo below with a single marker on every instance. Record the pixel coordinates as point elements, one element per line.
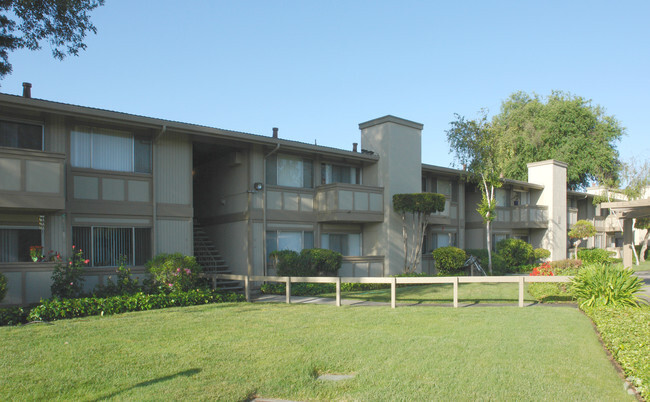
<point>393,281</point>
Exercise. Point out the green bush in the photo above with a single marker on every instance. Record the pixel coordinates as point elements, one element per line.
<point>594,256</point>
<point>3,286</point>
<point>606,285</point>
<point>123,285</point>
<point>566,267</point>
<point>321,262</point>
<point>310,262</point>
<point>449,260</point>
<point>174,272</point>
<point>541,254</point>
<point>13,315</point>
<point>625,332</point>
<point>299,289</point>
<point>56,309</point>
<point>67,277</point>
<point>515,252</point>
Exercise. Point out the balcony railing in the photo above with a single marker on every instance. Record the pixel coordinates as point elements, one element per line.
<point>350,203</point>
<point>31,179</point>
<point>607,224</point>
<point>523,216</point>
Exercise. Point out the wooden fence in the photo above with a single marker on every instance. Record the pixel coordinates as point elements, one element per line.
<point>393,281</point>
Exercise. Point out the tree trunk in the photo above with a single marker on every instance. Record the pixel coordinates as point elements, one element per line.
<point>645,244</point>
<point>489,246</point>
<point>576,247</point>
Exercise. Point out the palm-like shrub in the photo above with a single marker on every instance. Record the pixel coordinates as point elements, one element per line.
<point>606,285</point>
<point>3,286</point>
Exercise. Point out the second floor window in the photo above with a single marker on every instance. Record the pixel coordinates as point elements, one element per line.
<point>340,174</point>
<point>106,149</point>
<point>21,135</point>
<point>290,171</point>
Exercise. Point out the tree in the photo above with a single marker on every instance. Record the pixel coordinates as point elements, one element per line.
<point>25,24</point>
<point>643,223</point>
<point>561,126</point>
<point>476,146</point>
<point>631,184</point>
<point>419,206</point>
<point>580,230</point>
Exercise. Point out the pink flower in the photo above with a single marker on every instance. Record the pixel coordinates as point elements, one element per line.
<point>73,246</point>
<point>187,271</point>
<point>71,283</point>
<point>70,263</point>
<point>170,285</point>
<point>178,270</point>
<point>86,261</point>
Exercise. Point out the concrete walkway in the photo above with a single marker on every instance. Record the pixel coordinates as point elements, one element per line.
<point>645,277</point>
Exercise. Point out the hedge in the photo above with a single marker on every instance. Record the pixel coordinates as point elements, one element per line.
<point>56,309</point>
<point>449,260</point>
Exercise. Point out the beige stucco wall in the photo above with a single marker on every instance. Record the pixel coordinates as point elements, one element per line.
<point>552,175</point>
<point>399,170</point>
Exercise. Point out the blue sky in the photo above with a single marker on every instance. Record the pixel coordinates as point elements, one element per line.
<point>318,69</point>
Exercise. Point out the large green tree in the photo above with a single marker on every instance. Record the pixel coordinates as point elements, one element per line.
<point>561,126</point>
<point>475,146</point>
<point>27,23</point>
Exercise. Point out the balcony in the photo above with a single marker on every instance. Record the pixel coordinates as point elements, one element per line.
<point>31,180</point>
<point>350,203</point>
<point>521,217</point>
<point>607,224</point>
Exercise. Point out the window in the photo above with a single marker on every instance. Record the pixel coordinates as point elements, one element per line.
<point>520,197</point>
<point>501,197</point>
<point>15,243</point>
<point>424,184</point>
<point>21,135</point>
<point>340,174</point>
<point>290,171</point>
<point>105,246</point>
<point>348,244</point>
<point>497,238</point>
<point>106,149</point>
<point>288,240</point>
<point>437,240</point>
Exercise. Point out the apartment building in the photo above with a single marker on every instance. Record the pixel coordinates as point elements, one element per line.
<point>116,184</point>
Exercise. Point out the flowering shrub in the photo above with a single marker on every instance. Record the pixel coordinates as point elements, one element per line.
<point>543,270</point>
<point>174,272</point>
<point>36,254</point>
<point>123,285</point>
<point>67,278</point>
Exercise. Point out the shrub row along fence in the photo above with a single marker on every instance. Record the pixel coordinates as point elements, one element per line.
<point>393,281</point>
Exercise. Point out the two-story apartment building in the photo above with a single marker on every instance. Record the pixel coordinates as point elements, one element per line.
<point>119,185</point>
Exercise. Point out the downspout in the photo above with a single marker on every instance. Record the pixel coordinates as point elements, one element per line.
<point>154,247</point>
<point>264,209</point>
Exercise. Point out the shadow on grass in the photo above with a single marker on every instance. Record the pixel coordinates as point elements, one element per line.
<point>186,373</point>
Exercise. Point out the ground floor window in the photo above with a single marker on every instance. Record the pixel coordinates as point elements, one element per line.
<point>105,246</point>
<point>288,240</point>
<point>497,238</point>
<point>348,244</point>
<point>15,243</point>
<point>433,241</point>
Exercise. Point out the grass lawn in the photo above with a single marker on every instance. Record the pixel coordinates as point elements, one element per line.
<point>643,266</point>
<point>237,351</point>
<point>475,293</point>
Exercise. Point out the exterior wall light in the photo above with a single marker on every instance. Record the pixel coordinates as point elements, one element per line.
<point>258,186</point>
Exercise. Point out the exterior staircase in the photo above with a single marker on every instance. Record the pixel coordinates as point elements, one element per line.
<point>208,257</point>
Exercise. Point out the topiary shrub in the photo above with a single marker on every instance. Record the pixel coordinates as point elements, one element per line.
<point>449,260</point>
<point>514,252</point>
<point>566,267</point>
<point>3,286</point>
<point>606,285</point>
<point>310,262</point>
<point>174,272</point>
<point>320,262</point>
<point>541,254</point>
<point>594,256</point>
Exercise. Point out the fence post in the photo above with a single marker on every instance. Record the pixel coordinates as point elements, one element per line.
<point>288,290</point>
<point>521,291</point>
<point>338,292</point>
<point>214,282</point>
<point>455,291</point>
<point>247,289</point>
<point>393,295</point>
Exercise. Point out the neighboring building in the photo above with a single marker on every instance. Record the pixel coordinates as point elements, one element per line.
<point>117,184</point>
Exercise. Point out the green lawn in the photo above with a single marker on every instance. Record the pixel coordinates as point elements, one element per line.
<point>237,351</point>
<point>475,293</point>
<point>643,266</point>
